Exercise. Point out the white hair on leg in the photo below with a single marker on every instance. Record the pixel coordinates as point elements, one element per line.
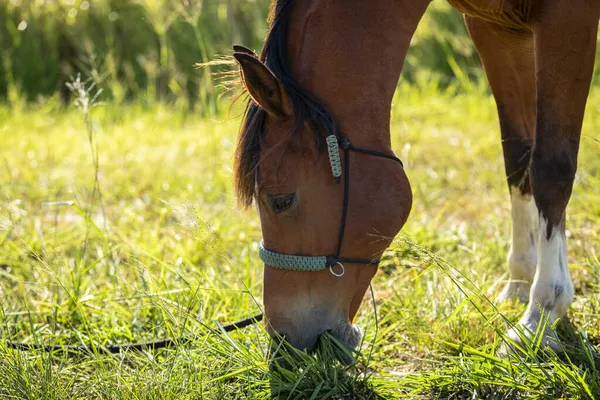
<point>522,256</point>
<point>552,290</point>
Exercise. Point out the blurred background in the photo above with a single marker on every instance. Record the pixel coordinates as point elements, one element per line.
<point>144,50</point>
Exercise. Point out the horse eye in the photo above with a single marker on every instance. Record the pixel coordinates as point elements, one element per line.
<point>282,202</point>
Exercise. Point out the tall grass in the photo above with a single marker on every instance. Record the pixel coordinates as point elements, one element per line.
<point>133,48</point>
<point>145,49</point>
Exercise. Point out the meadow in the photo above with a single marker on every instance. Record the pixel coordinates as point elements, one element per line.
<point>158,249</point>
<point>118,224</point>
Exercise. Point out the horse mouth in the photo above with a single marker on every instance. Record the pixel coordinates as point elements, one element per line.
<point>344,338</point>
<point>350,336</point>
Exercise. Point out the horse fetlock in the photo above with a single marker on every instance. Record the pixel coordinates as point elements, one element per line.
<point>522,270</point>
<point>522,265</point>
<point>527,336</point>
<point>534,330</point>
<point>522,256</point>
<point>515,290</point>
<point>552,289</point>
<point>550,299</point>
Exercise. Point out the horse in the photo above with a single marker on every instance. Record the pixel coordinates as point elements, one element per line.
<point>314,150</point>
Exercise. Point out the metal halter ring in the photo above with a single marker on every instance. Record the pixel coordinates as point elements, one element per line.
<point>335,273</point>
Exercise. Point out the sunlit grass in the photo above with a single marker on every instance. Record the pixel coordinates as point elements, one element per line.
<point>175,258</point>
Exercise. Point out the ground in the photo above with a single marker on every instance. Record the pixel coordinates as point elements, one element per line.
<point>160,249</point>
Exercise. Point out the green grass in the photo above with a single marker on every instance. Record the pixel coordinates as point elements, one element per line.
<point>165,253</point>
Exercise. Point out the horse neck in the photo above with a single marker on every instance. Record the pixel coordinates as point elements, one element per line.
<point>349,54</point>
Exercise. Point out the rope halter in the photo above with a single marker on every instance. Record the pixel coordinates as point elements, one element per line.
<point>319,263</point>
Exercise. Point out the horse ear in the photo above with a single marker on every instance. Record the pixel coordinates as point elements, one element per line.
<point>242,49</point>
<point>264,87</point>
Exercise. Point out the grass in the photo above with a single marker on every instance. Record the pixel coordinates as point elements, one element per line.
<point>165,253</point>
<point>134,48</point>
<point>145,49</point>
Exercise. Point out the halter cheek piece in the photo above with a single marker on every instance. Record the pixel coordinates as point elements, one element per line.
<point>335,262</point>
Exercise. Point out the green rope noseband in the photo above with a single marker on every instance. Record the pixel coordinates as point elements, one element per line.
<point>299,263</point>
<point>287,261</point>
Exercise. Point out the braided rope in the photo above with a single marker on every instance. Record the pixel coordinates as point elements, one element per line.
<point>334,156</point>
<point>287,261</point>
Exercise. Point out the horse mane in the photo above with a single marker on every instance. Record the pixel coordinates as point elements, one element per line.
<point>307,110</point>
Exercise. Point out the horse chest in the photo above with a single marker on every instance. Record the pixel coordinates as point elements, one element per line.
<point>509,13</point>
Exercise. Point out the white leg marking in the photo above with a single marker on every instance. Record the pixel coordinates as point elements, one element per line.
<point>522,256</point>
<point>552,290</point>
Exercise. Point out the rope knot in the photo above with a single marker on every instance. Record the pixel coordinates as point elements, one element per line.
<point>344,142</point>
<point>334,157</point>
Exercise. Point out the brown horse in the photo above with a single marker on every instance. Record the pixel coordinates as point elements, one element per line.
<point>321,97</point>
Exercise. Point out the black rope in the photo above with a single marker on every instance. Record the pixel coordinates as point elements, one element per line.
<point>116,349</point>
<point>376,153</point>
<point>346,173</point>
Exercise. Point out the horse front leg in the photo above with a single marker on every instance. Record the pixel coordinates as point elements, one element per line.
<point>508,59</point>
<point>565,43</point>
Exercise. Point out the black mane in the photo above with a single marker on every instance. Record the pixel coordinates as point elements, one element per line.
<point>307,109</point>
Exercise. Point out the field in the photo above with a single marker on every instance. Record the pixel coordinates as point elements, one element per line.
<point>159,250</point>
<point>118,222</point>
